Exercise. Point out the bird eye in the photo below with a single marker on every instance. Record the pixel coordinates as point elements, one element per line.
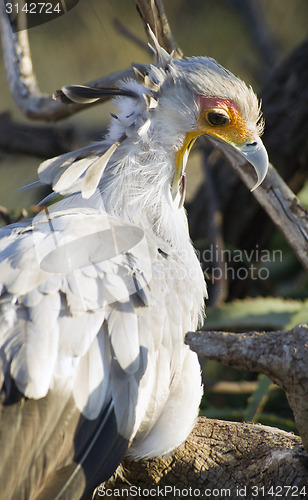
<point>217,117</point>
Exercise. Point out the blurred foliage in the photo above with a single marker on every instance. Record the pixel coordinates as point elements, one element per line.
<point>256,314</point>
<point>83,45</point>
<point>281,302</point>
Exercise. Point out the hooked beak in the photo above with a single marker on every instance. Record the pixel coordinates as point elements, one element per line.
<point>252,151</point>
<point>256,154</point>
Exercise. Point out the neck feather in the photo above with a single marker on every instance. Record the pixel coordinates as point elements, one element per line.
<point>136,187</point>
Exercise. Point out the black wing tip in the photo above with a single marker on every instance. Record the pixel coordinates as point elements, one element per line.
<point>58,95</point>
<point>84,94</point>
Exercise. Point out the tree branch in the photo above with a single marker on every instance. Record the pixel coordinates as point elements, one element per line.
<point>121,28</point>
<point>44,142</point>
<point>281,355</point>
<point>152,12</point>
<point>217,288</point>
<point>220,456</point>
<point>23,83</point>
<point>258,29</point>
<point>4,215</point>
<point>22,80</point>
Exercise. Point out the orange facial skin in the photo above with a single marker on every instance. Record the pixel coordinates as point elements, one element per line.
<point>235,132</point>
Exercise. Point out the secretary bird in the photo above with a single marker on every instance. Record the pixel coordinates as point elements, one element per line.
<point>99,289</point>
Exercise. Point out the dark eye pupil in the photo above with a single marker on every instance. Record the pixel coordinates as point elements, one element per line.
<point>216,118</point>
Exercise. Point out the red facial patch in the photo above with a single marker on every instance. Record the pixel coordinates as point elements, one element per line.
<point>218,102</point>
<point>235,132</point>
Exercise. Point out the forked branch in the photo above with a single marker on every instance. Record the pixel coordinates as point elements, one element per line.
<point>232,459</point>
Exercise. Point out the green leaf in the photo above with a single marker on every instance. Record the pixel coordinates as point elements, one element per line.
<point>258,399</point>
<point>301,317</point>
<point>303,195</point>
<point>273,420</point>
<point>256,314</point>
<point>223,414</point>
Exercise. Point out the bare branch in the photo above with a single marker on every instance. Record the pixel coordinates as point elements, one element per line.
<point>280,355</point>
<point>228,387</point>
<point>277,199</point>
<point>44,142</point>
<point>259,31</point>
<point>131,36</point>
<point>4,215</point>
<point>218,290</point>
<point>23,84</point>
<point>152,12</point>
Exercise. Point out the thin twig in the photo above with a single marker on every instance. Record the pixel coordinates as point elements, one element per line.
<point>132,36</point>
<point>153,14</point>
<point>227,387</point>
<point>219,287</point>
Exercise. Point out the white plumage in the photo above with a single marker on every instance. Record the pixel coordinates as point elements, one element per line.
<point>99,290</point>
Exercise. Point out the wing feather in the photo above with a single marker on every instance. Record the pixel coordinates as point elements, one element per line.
<point>92,385</point>
<point>79,331</point>
<point>95,171</point>
<point>72,173</point>
<point>37,336</point>
<point>124,334</point>
<point>60,171</point>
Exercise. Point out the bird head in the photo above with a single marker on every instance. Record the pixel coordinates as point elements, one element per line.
<point>177,101</point>
<point>199,97</point>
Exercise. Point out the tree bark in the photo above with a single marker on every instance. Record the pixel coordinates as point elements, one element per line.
<point>44,142</point>
<point>220,460</point>
<point>230,459</point>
